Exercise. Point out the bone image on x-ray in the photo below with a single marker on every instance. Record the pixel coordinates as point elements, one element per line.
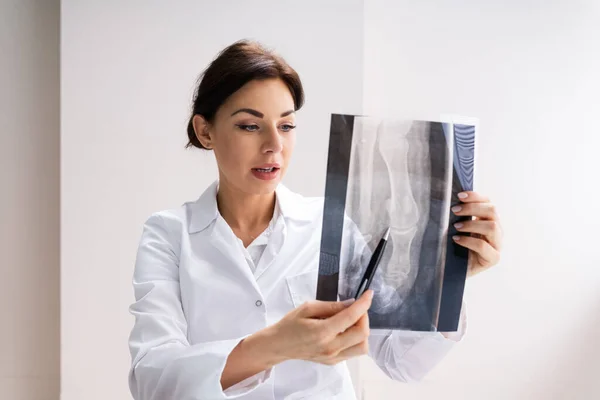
<point>383,191</point>
<point>401,174</point>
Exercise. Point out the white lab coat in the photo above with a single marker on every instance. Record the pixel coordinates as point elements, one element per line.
<point>196,299</point>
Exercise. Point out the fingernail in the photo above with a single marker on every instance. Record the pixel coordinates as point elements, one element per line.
<point>348,302</point>
<point>463,195</point>
<point>456,209</point>
<point>456,237</point>
<point>370,294</point>
<point>458,225</point>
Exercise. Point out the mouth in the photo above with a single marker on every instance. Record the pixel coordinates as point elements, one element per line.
<point>267,168</point>
<point>266,171</point>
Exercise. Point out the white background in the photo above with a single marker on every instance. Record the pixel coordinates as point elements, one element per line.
<point>530,71</point>
<point>526,69</point>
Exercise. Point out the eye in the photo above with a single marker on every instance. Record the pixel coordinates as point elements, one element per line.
<point>287,127</point>
<point>248,128</point>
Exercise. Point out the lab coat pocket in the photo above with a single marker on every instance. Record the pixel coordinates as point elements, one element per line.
<point>303,287</point>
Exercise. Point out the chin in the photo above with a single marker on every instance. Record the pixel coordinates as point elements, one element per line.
<point>263,187</point>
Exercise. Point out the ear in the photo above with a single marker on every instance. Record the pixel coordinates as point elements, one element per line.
<point>202,130</point>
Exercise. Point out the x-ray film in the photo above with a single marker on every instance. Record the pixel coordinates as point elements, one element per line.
<point>404,175</point>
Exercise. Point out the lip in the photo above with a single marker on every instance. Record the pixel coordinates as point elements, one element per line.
<point>266,176</point>
<point>262,166</point>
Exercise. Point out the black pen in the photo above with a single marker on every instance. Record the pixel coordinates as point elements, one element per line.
<point>372,267</point>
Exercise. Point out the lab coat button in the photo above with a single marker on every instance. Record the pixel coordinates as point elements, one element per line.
<point>258,303</point>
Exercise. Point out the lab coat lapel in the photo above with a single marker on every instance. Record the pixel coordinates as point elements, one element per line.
<point>203,213</point>
<point>291,208</point>
<point>273,248</point>
<point>224,240</point>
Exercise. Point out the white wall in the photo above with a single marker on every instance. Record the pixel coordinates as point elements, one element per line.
<point>29,200</point>
<point>128,72</point>
<point>526,69</point>
<point>529,71</point>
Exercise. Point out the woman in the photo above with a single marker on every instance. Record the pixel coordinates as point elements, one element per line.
<point>223,285</point>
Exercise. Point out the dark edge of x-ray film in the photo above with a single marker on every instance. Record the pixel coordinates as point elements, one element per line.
<point>457,257</point>
<point>338,162</point>
<point>428,307</point>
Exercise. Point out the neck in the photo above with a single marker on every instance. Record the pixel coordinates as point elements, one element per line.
<point>245,212</point>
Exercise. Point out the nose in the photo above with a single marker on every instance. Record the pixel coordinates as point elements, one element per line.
<point>273,142</point>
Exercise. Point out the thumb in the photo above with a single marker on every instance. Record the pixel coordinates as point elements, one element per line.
<point>324,309</point>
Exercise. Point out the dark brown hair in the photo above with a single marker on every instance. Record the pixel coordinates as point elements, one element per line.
<point>236,65</point>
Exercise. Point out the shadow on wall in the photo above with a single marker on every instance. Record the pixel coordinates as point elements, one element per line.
<point>573,366</point>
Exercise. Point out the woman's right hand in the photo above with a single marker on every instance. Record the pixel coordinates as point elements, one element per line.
<point>323,332</point>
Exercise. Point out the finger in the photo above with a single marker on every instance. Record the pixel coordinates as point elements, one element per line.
<point>323,309</point>
<point>472,197</point>
<point>353,335</point>
<point>358,349</point>
<point>485,251</point>
<point>485,211</point>
<point>348,317</point>
<point>489,229</point>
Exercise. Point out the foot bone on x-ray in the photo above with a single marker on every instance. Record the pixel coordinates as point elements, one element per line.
<point>362,182</point>
<point>381,182</point>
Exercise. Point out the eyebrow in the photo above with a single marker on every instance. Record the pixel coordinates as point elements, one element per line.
<point>258,113</point>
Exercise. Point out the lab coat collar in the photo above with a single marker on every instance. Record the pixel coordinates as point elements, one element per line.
<point>204,210</point>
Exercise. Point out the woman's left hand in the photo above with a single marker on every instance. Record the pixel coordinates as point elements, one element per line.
<point>486,242</point>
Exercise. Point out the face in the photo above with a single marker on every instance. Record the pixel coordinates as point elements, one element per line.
<point>252,136</point>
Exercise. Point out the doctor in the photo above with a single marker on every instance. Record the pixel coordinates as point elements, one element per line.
<point>224,285</point>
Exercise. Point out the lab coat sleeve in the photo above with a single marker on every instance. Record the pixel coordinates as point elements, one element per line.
<point>408,356</point>
<point>164,364</point>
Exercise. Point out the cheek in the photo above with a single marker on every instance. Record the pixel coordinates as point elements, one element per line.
<point>234,153</point>
<point>290,143</point>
